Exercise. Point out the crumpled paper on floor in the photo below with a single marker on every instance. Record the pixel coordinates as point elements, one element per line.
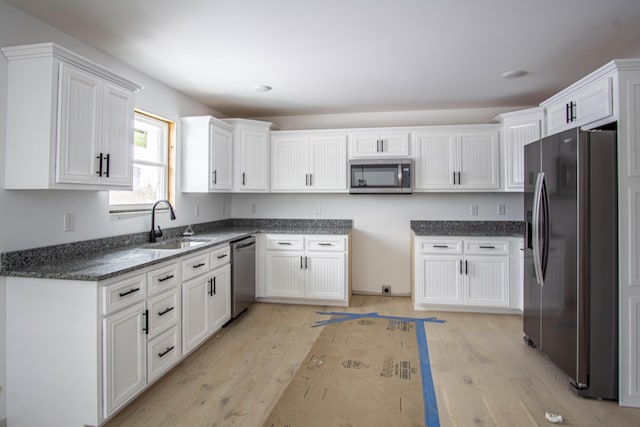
<point>553,418</point>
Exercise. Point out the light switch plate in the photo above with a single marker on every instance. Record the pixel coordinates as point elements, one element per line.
<point>474,210</point>
<point>501,209</point>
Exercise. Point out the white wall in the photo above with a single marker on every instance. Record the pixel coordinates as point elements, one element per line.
<point>35,218</point>
<point>381,232</point>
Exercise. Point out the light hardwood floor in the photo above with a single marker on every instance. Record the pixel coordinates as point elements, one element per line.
<point>483,372</point>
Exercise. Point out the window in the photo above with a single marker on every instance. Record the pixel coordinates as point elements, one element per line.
<point>152,172</point>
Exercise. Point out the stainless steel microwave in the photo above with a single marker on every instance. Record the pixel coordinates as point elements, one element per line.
<point>380,176</point>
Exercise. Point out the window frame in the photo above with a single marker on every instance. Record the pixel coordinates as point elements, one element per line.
<point>168,175</point>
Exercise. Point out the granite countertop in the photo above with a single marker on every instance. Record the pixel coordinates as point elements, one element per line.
<point>113,256</point>
<point>469,228</point>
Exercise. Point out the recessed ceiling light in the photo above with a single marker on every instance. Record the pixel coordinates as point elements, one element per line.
<point>262,88</point>
<point>513,74</point>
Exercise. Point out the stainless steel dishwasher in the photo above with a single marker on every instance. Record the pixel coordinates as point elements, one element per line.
<point>243,274</point>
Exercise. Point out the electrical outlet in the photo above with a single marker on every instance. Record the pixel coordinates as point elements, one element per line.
<point>318,209</point>
<point>69,221</point>
<point>386,290</point>
<point>196,210</point>
<point>502,209</point>
<point>474,210</point>
<point>253,208</point>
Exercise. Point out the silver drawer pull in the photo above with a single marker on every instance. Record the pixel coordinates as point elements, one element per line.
<point>198,265</point>
<point>162,313</point>
<point>166,278</point>
<point>129,292</point>
<point>441,246</point>
<point>487,247</point>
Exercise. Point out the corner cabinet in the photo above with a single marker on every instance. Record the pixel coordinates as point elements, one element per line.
<point>206,155</point>
<point>467,274</point>
<point>308,162</point>
<point>250,155</point>
<point>69,122</point>
<point>304,269</point>
<point>519,128</point>
<point>457,159</point>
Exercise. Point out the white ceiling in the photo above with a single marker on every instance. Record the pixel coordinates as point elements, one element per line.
<point>346,56</point>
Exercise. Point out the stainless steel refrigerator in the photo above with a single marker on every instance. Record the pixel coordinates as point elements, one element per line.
<point>571,257</point>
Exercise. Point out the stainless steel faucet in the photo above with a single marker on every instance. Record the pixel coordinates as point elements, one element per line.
<point>153,234</point>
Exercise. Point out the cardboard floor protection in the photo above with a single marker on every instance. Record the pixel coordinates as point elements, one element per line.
<point>361,372</point>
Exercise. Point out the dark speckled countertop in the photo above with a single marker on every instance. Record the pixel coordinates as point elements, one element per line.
<point>113,256</point>
<point>468,228</point>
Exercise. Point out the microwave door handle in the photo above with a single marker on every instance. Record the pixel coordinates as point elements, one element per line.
<point>400,175</point>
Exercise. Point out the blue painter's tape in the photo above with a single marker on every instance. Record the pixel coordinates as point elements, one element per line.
<point>431,417</point>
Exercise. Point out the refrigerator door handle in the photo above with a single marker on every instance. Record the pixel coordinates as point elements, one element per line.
<point>535,225</point>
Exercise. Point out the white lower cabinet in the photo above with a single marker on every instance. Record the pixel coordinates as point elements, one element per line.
<point>304,269</point>
<point>472,273</point>
<point>206,298</point>
<point>142,315</point>
<point>124,356</point>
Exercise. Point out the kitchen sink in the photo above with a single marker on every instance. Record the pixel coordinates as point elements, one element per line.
<point>175,244</point>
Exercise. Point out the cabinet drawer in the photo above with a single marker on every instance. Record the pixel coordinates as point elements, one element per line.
<point>220,256</point>
<point>326,243</point>
<point>164,310</point>
<point>123,293</point>
<point>162,278</point>
<point>162,353</point>
<point>440,246</point>
<point>195,265</point>
<point>486,247</point>
<point>284,242</point>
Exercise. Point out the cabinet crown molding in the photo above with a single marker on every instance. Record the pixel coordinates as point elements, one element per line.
<point>53,50</point>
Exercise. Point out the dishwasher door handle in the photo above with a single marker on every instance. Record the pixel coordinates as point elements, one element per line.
<point>238,247</point>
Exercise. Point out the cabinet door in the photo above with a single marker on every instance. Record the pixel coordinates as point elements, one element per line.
<point>395,145</point>
<point>479,160</point>
<point>325,276</point>
<point>436,161</point>
<point>195,312</point>
<point>594,102</point>
<point>487,281</point>
<point>124,357</point>
<point>285,274</point>
<point>364,145</point>
<point>254,169</point>
<point>439,280</point>
<point>289,164</point>
<point>220,298</point>
<point>78,126</point>
<point>116,134</point>
<point>328,164</point>
<point>558,117</point>
<point>220,152</point>
<point>517,135</point>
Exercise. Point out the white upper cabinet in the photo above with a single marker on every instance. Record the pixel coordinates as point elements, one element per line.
<point>450,159</point>
<point>383,144</point>
<point>518,129</point>
<point>302,161</point>
<point>69,122</point>
<point>250,155</point>
<point>206,155</point>
<point>592,103</point>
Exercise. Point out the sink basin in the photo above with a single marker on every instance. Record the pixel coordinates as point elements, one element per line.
<point>175,244</point>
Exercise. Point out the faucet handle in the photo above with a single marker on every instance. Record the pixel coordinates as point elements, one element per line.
<point>159,232</point>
